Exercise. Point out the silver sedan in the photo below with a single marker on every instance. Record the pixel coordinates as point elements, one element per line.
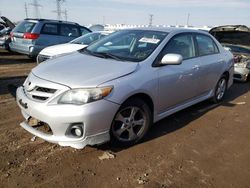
<point>116,88</point>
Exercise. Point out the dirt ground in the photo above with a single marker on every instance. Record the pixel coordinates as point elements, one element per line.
<point>203,146</point>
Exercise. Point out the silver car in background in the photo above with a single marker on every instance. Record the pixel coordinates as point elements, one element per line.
<point>236,38</point>
<point>116,88</point>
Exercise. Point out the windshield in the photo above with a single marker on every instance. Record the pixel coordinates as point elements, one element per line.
<point>127,45</point>
<point>88,38</point>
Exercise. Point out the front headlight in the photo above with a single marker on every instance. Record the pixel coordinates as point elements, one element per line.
<point>83,96</point>
<point>240,65</point>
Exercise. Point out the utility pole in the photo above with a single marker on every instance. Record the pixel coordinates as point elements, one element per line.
<point>36,8</point>
<point>26,9</point>
<point>66,14</point>
<point>59,9</point>
<point>188,19</point>
<point>150,20</point>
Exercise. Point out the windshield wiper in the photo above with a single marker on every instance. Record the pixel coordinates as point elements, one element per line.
<point>102,55</point>
<point>109,55</point>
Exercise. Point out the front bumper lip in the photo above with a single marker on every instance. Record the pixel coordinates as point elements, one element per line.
<point>77,143</point>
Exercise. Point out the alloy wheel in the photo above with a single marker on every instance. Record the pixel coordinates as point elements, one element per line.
<point>129,124</point>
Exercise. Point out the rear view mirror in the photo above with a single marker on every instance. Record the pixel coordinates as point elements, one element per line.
<point>171,59</point>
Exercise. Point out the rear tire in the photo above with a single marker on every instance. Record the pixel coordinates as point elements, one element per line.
<point>131,123</point>
<point>220,90</point>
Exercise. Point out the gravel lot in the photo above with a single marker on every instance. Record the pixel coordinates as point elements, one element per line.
<point>203,146</point>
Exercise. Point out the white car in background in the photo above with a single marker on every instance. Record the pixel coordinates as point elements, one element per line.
<point>74,45</point>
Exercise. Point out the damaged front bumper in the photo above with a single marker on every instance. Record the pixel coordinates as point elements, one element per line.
<point>94,118</point>
<point>241,74</point>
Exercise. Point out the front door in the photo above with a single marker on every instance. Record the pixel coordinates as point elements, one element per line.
<point>178,83</point>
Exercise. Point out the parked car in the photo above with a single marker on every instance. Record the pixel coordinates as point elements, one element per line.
<point>32,35</point>
<point>5,33</point>
<point>236,38</point>
<point>118,86</point>
<point>74,45</point>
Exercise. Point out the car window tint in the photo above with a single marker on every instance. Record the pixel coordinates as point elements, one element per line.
<point>206,45</point>
<point>181,44</point>
<point>24,27</point>
<point>83,31</point>
<point>50,29</point>
<point>69,30</point>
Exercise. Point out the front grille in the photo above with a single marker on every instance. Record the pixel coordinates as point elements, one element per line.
<point>237,76</point>
<point>41,58</point>
<point>39,93</point>
<point>45,90</point>
<point>39,98</point>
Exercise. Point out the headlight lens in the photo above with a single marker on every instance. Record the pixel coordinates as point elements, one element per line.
<point>83,96</point>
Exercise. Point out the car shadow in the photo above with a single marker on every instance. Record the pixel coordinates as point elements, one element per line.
<point>8,85</point>
<point>8,61</point>
<point>184,117</point>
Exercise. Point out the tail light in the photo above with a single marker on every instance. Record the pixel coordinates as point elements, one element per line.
<point>30,35</point>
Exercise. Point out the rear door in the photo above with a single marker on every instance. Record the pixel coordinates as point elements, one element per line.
<point>211,63</point>
<point>68,32</point>
<point>49,35</point>
<point>178,83</point>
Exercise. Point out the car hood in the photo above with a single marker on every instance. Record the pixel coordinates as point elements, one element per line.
<point>78,70</point>
<point>232,34</point>
<point>8,22</point>
<point>61,49</point>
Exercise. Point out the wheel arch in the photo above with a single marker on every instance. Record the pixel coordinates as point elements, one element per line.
<point>145,97</point>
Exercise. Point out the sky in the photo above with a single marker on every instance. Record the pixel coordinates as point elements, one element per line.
<point>165,12</point>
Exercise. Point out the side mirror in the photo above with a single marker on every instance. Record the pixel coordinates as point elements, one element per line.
<point>171,59</point>
<point>227,48</point>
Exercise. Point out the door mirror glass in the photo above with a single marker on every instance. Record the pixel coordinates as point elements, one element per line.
<point>171,59</point>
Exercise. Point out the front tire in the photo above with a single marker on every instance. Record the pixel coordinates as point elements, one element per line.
<point>220,90</point>
<point>131,123</point>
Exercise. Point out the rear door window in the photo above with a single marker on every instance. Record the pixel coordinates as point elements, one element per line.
<point>69,30</point>
<point>24,27</point>
<point>206,45</point>
<point>50,28</point>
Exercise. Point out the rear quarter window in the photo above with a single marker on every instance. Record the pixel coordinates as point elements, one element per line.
<point>206,45</point>
<point>50,28</point>
<point>84,31</point>
<point>24,27</point>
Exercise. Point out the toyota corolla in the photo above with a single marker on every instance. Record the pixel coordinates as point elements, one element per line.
<point>116,88</point>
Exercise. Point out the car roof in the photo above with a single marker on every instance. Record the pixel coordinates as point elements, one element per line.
<point>170,29</point>
<point>50,20</point>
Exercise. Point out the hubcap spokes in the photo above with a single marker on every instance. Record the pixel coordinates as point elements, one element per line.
<point>129,124</point>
